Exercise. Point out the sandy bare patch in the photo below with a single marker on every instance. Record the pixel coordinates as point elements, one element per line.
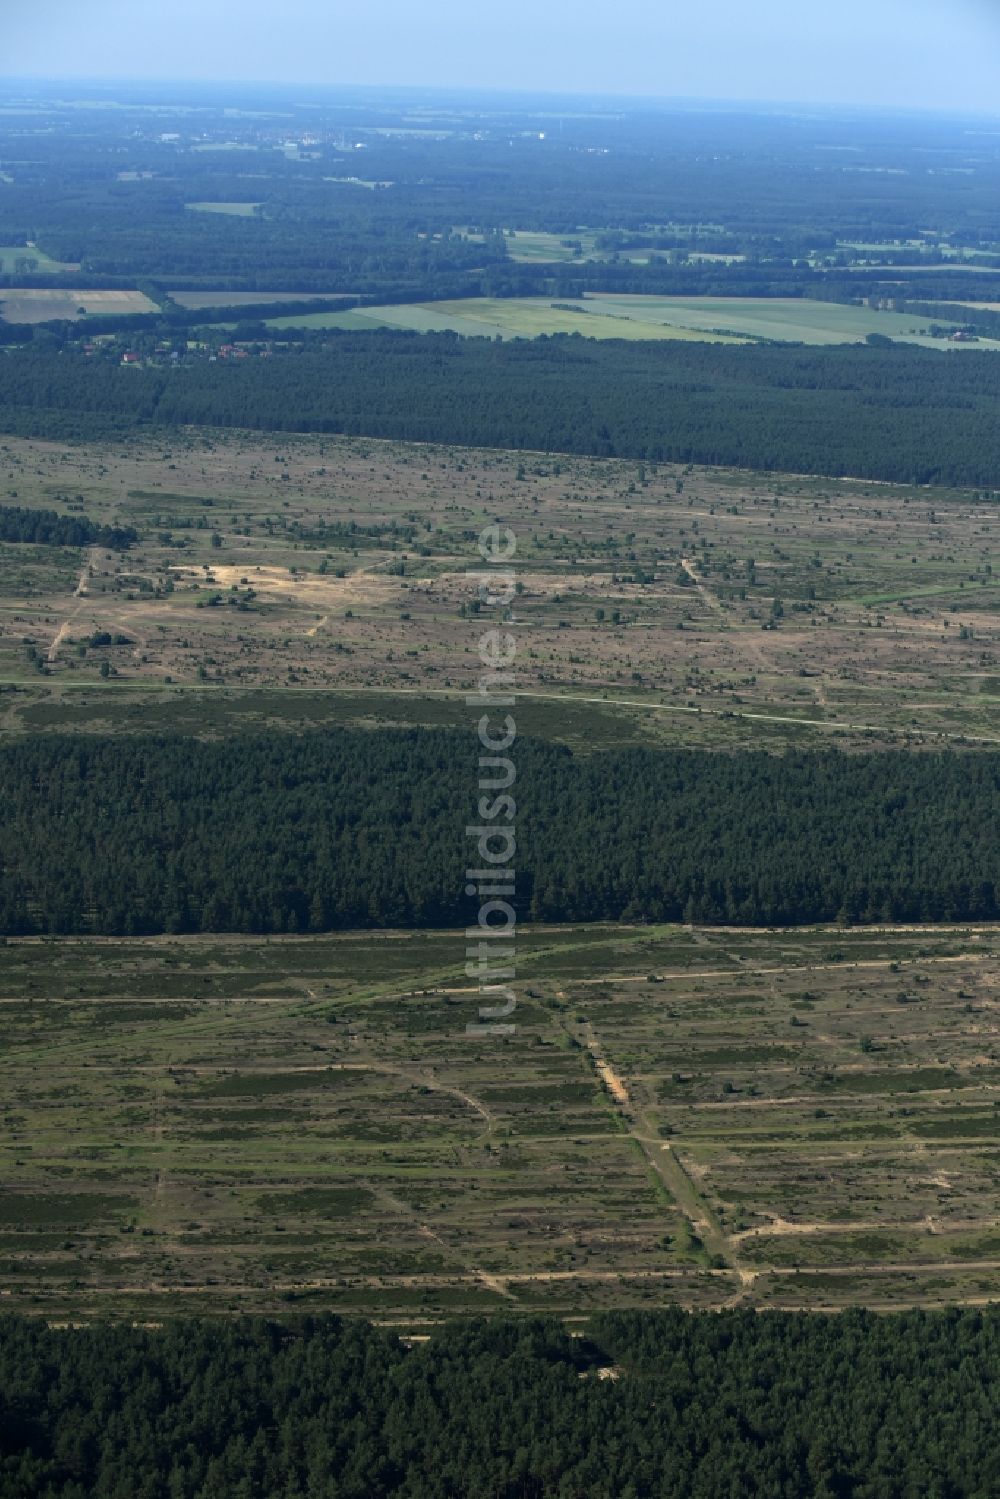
<point>316,590</point>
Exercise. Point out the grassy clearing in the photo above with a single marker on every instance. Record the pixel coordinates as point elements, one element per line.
<point>537,247</point>
<point>533,246</point>
<point>11,254</point>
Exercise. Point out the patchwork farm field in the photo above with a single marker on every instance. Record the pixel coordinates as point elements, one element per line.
<point>501,317</point>
<point>31,305</point>
<point>306,580</point>
<point>715,319</point>
<point>703,1117</point>
<point>729,320</point>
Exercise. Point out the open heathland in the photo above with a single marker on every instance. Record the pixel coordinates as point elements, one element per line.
<point>683,1116</point>
<point>314,580</point>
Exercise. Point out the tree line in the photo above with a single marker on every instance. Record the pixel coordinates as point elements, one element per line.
<point>905,414</point>
<point>345,828</point>
<point>776,1406</point>
<point>49,528</point>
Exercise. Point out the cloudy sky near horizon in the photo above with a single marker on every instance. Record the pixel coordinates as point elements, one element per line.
<point>940,54</point>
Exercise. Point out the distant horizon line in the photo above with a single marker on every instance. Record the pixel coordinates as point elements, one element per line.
<point>502,91</point>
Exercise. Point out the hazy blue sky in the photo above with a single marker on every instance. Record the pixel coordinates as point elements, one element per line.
<point>936,53</point>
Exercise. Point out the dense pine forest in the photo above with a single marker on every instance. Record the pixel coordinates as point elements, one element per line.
<point>908,414</point>
<point>347,828</point>
<point>775,1406</point>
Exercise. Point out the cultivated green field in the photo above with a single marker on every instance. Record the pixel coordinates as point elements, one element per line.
<point>789,320</point>
<point>802,1119</point>
<point>501,317</point>
<point>235,210</point>
<point>713,319</point>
